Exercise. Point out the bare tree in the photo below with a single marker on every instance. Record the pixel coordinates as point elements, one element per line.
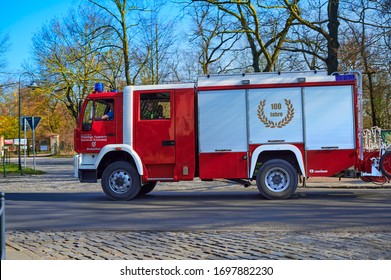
<point>212,37</point>
<point>125,15</point>
<point>258,24</point>
<point>112,71</point>
<point>327,27</point>
<point>66,57</point>
<point>365,47</point>
<point>4,47</point>
<point>154,46</point>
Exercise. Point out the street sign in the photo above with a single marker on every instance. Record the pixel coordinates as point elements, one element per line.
<point>33,121</point>
<point>23,122</point>
<point>8,142</point>
<point>22,141</point>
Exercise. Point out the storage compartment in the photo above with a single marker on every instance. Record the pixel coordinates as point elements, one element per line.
<point>223,165</point>
<point>329,118</point>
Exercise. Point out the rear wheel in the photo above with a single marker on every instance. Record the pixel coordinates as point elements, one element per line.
<point>120,181</point>
<point>385,164</point>
<point>277,179</point>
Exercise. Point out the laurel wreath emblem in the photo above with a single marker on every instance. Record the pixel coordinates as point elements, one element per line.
<point>268,123</point>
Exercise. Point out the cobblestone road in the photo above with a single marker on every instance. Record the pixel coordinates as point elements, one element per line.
<point>206,245</point>
<point>202,244</point>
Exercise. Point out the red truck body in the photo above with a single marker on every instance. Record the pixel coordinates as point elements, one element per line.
<point>271,127</point>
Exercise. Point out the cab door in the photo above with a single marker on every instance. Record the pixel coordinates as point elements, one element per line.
<point>97,132</point>
<point>154,133</point>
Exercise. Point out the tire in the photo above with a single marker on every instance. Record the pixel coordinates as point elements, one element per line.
<point>385,164</point>
<point>277,179</point>
<point>147,188</point>
<point>121,181</point>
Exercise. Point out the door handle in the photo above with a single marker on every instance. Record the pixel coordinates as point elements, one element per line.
<point>168,143</point>
<point>330,148</point>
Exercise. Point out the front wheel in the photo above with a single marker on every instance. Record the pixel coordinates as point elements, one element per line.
<point>277,179</point>
<point>121,181</point>
<point>147,188</point>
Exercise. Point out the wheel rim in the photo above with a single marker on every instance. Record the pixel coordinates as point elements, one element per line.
<point>120,181</point>
<point>277,180</point>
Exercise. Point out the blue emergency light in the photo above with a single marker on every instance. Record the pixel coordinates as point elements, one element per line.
<point>99,87</point>
<point>345,77</point>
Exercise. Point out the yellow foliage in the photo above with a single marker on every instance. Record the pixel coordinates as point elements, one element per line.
<point>9,127</point>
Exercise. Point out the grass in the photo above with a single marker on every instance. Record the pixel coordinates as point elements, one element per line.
<point>12,168</point>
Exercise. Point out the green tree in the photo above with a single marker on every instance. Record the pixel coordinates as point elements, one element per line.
<point>8,126</point>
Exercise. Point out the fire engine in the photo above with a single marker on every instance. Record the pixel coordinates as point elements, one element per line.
<point>274,128</point>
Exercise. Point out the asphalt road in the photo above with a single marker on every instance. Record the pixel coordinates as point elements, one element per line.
<point>57,202</point>
<point>53,216</point>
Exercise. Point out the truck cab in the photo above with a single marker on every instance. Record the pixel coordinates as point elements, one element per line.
<point>151,133</point>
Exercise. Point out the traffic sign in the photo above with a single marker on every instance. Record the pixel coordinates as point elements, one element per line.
<point>23,123</point>
<point>33,121</point>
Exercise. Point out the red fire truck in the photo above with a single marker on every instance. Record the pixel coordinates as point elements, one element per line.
<point>268,127</point>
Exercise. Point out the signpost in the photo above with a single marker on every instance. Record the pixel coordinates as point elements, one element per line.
<point>32,122</point>
<point>25,127</point>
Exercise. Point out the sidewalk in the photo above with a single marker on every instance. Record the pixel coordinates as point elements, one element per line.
<point>344,183</point>
<point>202,245</point>
<point>14,252</point>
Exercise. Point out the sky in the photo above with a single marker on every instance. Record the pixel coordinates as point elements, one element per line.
<point>21,19</point>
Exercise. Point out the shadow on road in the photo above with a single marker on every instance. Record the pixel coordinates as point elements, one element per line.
<point>170,210</point>
<point>177,196</point>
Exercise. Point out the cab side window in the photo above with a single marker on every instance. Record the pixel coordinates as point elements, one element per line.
<point>104,109</point>
<point>97,110</point>
<point>155,106</point>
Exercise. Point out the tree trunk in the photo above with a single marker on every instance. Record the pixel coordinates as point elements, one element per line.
<point>125,44</point>
<point>332,44</point>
